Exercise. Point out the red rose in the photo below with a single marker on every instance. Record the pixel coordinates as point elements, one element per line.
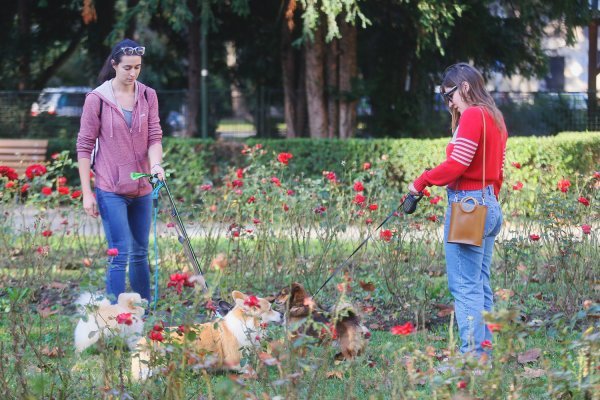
<point>320,209</point>
<point>486,344</point>
<point>35,170</point>
<point>156,336</point>
<point>433,218</point>
<point>54,156</point>
<point>426,193</point>
<point>205,187</point>
<point>386,235</point>
<point>284,158</point>
<point>46,191</point>
<point>112,252</point>
<point>564,185</point>
<point>256,221</point>
<point>290,192</point>
<point>584,201</point>
<point>366,166</point>
<point>358,187</point>
<point>8,172</point>
<point>494,327</point>
<point>587,229</point>
<point>9,184</point>
<point>403,330</point>
<point>178,281</point>
<point>359,199</point>
<point>285,207</point>
<point>63,190</point>
<point>47,233</point>
<point>373,207</point>
<point>251,200</point>
<point>61,181</point>
<point>534,237</point>
<point>461,384</point>
<point>124,318</point>
<point>24,188</point>
<point>516,165</point>
<point>239,173</point>
<point>435,199</point>
<point>369,221</point>
<point>76,194</point>
<point>276,181</point>
<point>518,186</point>
<point>330,175</point>
<point>237,183</point>
<point>252,301</point>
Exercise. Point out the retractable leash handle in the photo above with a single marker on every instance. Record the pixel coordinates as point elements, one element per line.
<point>408,205</point>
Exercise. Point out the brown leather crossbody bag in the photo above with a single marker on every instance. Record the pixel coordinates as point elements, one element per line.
<point>467,218</point>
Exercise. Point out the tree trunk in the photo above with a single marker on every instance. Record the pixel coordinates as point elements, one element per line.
<point>24,58</point>
<point>332,66</point>
<point>592,69</point>
<point>315,84</point>
<point>193,89</point>
<point>132,24</point>
<point>348,72</point>
<point>288,72</point>
<point>300,93</point>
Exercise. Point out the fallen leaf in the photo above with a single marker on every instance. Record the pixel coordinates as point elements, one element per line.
<point>529,356</point>
<point>334,374</point>
<point>46,312</point>
<point>268,359</point>
<point>444,310</point>
<point>54,353</point>
<point>533,373</point>
<point>58,285</point>
<point>367,286</point>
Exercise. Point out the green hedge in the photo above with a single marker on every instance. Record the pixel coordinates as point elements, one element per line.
<point>542,159</point>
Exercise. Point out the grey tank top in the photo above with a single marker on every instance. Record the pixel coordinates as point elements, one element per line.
<point>127,114</point>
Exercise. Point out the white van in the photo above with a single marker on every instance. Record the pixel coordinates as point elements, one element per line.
<point>61,101</point>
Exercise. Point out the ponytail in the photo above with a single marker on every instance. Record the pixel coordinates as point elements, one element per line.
<point>107,72</point>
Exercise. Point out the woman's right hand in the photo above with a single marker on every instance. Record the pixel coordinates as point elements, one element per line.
<point>90,205</point>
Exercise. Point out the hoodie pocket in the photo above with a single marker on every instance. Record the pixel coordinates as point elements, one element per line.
<point>125,185</point>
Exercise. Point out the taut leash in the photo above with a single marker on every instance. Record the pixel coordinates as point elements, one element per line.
<point>409,205</point>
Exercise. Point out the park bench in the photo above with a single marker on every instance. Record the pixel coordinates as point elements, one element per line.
<point>20,153</point>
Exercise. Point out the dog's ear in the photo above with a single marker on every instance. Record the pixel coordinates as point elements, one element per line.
<point>238,297</point>
<point>223,307</point>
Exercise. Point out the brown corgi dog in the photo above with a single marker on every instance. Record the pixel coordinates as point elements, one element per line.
<point>217,343</point>
<point>344,325</point>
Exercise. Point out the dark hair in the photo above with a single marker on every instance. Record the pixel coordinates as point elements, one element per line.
<point>477,95</point>
<point>108,72</point>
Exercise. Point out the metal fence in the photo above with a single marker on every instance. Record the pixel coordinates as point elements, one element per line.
<point>55,114</point>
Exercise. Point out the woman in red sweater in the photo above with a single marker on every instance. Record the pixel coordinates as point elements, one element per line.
<point>468,267</point>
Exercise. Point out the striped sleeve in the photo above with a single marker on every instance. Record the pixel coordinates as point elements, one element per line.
<point>464,151</point>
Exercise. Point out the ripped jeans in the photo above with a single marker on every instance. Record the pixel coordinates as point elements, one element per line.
<point>468,269</point>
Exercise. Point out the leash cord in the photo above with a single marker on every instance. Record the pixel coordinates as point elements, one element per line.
<point>359,247</point>
<point>155,204</point>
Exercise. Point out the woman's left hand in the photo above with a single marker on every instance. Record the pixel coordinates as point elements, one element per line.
<point>411,189</point>
<point>158,171</point>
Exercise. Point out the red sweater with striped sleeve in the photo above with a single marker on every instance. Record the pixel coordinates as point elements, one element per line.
<point>463,168</point>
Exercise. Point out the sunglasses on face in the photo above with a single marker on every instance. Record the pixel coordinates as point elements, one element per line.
<point>130,51</point>
<point>449,94</point>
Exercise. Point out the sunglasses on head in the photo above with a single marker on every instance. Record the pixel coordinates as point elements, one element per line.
<point>448,95</point>
<point>130,51</point>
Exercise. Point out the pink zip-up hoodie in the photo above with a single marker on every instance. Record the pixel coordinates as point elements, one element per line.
<point>121,150</point>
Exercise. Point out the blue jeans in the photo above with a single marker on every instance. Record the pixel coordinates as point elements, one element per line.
<point>126,222</point>
<point>468,269</point>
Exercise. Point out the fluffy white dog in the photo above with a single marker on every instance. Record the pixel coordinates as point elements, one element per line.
<point>104,320</point>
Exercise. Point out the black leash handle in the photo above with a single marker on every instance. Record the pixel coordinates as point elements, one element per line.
<point>408,205</point>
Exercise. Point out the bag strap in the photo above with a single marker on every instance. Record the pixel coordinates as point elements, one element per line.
<point>483,180</point>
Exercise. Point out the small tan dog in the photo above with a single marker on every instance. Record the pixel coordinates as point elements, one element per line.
<point>124,319</point>
<point>221,340</point>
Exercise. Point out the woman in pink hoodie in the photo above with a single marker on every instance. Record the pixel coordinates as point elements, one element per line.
<point>120,131</point>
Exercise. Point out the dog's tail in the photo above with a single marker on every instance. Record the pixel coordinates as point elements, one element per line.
<point>87,299</point>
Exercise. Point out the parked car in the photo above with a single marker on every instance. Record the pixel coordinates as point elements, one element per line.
<point>61,101</point>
